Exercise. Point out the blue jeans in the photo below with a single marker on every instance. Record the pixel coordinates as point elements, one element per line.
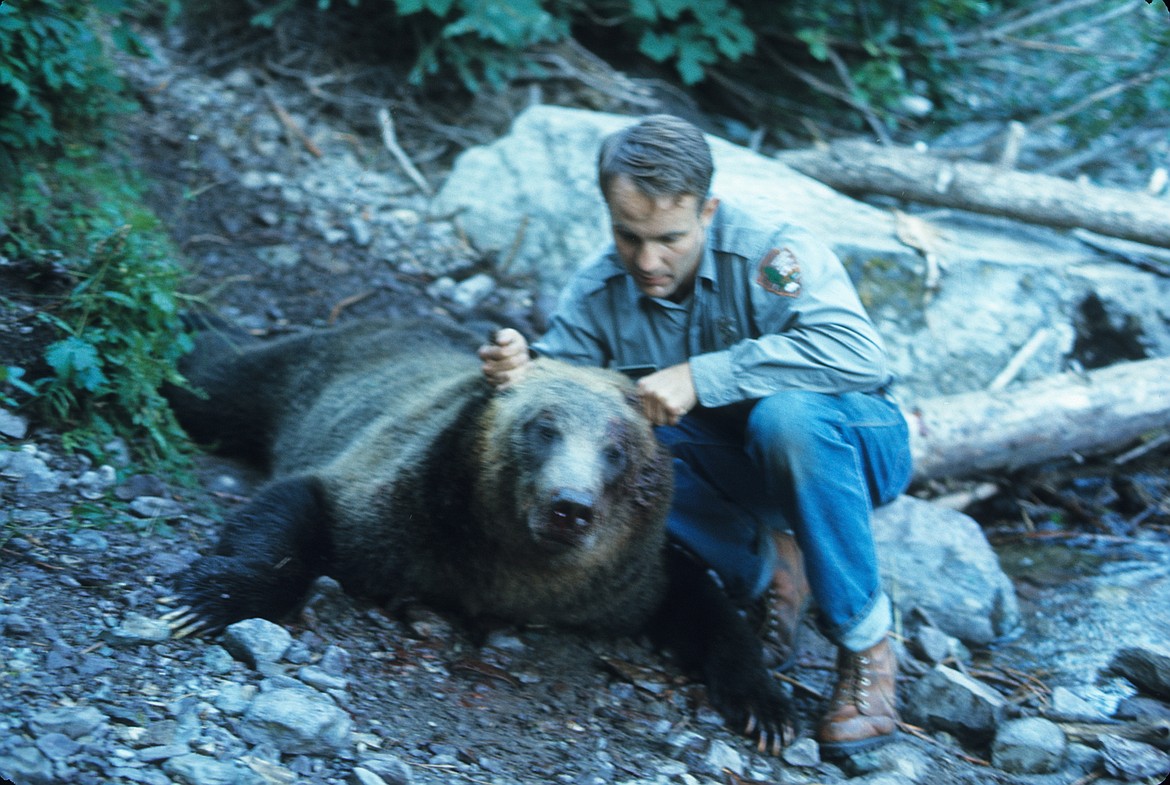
<point>812,463</point>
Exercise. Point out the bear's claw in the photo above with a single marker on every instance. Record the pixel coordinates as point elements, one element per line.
<point>770,739</point>
<point>185,622</point>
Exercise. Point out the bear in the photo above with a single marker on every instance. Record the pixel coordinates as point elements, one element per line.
<point>396,469</point>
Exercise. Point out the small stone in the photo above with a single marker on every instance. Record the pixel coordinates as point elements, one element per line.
<point>255,641</point>
<point>1133,760</point>
<point>335,661</point>
<point>473,291</point>
<point>140,485</point>
<point>932,645</point>
<point>32,474</point>
<point>57,746</point>
<point>203,770</point>
<point>94,484</point>
<point>392,769</point>
<point>1032,745</point>
<point>297,722</point>
<point>89,540</point>
<point>152,507</point>
<point>360,230</point>
<point>279,255</point>
<point>74,722</point>
<point>318,678</point>
<point>12,425</point>
<point>722,756</point>
<point>27,765</point>
<point>1067,705</point>
<point>161,752</point>
<point>253,180</point>
<point>360,776</point>
<point>137,629</point>
<point>802,753</point>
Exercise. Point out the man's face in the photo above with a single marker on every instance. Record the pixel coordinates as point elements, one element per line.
<point>659,238</point>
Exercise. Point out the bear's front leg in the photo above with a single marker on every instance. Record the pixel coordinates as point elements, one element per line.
<point>700,623</point>
<point>266,558</point>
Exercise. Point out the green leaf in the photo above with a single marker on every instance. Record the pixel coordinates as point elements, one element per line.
<point>14,375</point>
<point>658,48</point>
<point>644,9</point>
<point>78,360</point>
<point>671,9</point>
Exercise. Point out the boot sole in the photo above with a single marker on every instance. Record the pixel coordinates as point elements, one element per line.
<point>842,749</point>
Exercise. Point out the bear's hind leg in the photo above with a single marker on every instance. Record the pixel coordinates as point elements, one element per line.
<point>267,557</point>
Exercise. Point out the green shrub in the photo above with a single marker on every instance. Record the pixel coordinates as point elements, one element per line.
<point>483,40</point>
<point>55,77</point>
<point>69,209</point>
<point>118,331</point>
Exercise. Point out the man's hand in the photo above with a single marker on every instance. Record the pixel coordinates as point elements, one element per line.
<point>668,394</point>
<point>505,359</point>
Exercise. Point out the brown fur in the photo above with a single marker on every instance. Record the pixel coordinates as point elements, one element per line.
<point>545,502</point>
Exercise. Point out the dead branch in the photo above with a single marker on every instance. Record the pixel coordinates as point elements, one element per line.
<point>861,167</point>
<point>844,96</point>
<point>291,126</point>
<point>1098,96</point>
<point>871,118</point>
<point>1141,257</point>
<point>390,140</point>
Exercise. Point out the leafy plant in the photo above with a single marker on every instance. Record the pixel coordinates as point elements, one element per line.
<point>695,34</point>
<point>55,76</point>
<point>118,331</point>
<point>483,41</point>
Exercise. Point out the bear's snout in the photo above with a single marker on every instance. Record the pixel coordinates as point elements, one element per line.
<point>570,518</point>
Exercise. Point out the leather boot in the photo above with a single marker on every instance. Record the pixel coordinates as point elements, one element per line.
<point>787,603</point>
<point>863,710</point>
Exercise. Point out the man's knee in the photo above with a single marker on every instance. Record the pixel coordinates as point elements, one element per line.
<point>791,421</point>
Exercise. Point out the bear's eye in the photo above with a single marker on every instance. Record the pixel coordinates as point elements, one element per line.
<point>543,430</point>
<point>614,456</point>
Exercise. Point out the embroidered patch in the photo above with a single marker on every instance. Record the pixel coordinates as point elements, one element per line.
<point>779,273</point>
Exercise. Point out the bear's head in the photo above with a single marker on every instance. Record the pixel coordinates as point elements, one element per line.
<point>568,452</point>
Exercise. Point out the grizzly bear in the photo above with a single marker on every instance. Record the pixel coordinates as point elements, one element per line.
<point>397,469</point>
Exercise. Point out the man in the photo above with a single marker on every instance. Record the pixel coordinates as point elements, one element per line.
<point>764,376</point>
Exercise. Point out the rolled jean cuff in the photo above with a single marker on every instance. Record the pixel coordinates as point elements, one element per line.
<point>871,628</point>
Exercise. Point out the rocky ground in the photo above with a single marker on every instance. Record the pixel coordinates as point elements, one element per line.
<point>290,217</point>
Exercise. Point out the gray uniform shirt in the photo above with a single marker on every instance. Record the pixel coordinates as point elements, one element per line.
<point>772,309</point>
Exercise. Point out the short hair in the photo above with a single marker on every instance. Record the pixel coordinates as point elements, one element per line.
<point>662,154</point>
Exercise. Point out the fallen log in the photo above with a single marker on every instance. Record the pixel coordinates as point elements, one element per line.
<point>860,167</point>
<point>1153,732</point>
<point>976,432</point>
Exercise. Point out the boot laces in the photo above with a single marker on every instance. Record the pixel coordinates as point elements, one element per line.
<point>854,684</point>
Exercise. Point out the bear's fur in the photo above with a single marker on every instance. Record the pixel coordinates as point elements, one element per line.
<point>398,470</point>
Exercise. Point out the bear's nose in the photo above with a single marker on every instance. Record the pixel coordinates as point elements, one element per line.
<point>572,508</point>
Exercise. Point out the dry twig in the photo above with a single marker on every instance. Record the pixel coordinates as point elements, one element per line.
<point>390,139</point>
<point>291,126</point>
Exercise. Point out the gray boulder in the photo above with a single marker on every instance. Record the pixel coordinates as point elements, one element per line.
<point>296,722</point>
<point>945,699</point>
<point>938,560</point>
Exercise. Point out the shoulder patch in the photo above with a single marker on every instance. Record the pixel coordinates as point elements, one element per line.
<point>779,273</point>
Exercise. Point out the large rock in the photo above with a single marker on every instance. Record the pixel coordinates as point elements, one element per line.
<point>938,560</point>
<point>297,722</point>
<point>945,699</point>
<point>531,197</point>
